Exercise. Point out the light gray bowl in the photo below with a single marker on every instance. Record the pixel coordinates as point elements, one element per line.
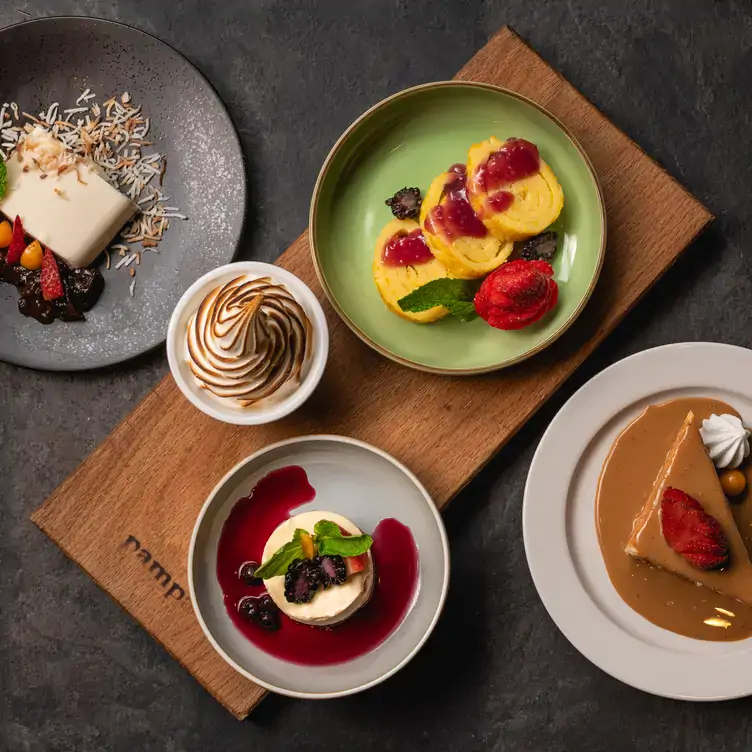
<point>365,485</point>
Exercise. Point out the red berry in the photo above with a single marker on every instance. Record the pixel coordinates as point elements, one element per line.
<point>517,294</point>
<point>692,532</point>
<point>17,244</point>
<point>52,285</point>
<point>355,564</point>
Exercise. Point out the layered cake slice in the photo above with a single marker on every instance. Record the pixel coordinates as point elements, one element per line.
<point>701,525</point>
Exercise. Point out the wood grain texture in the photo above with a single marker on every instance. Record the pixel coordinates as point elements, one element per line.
<point>149,479</point>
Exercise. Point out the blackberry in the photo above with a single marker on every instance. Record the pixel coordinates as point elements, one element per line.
<point>302,580</point>
<point>247,573</point>
<point>266,603</point>
<point>333,570</point>
<point>269,620</point>
<point>541,247</point>
<point>248,608</point>
<point>260,610</point>
<point>405,204</point>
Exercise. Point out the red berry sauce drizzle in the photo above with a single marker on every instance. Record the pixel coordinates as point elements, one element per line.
<point>516,160</point>
<point>244,535</point>
<point>406,249</point>
<point>455,217</point>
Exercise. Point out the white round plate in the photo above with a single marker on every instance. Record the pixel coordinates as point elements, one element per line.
<point>561,542</point>
<point>365,485</point>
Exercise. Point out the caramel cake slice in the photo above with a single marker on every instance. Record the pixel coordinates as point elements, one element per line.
<point>688,467</point>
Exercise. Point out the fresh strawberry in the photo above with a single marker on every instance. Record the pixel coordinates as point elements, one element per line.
<point>17,244</point>
<point>355,564</point>
<point>692,532</point>
<point>52,285</point>
<point>517,294</point>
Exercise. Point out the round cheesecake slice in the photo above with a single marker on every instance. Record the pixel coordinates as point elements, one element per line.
<point>328,607</point>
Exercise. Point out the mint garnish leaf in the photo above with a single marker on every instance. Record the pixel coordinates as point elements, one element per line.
<point>464,310</point>
<point>281,559</point>
<point>331,542</point>
<point>3,177</point>
<point>454,294</point>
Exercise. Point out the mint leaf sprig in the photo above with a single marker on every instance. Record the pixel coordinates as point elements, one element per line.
<point>455,294</point>
<point>327,540</point>
<point>281,559</point>
<point>3,178</point>
<point>330,542</point>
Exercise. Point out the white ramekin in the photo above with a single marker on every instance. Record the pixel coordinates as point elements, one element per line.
<point>226,410</point>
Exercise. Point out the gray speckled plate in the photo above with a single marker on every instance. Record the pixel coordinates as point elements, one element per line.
<point>53,60</point>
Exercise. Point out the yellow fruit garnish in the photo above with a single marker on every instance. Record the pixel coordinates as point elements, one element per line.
<point>733,482</point>
<point>31,258</point>
<point>306,543</point>
<point>6,234</point>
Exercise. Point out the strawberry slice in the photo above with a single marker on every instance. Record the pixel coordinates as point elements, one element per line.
<point>692,532</point>
<point>17,244</point>
<point>50,281</point>
<point>355,564</point>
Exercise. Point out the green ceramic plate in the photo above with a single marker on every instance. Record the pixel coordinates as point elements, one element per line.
<point>408,139</point>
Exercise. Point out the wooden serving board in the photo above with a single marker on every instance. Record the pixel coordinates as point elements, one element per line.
<point>126,514</point>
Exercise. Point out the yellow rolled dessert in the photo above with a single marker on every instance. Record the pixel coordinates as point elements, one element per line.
<point>402,263</point>
<point>454,233</point>
<point>510,187</point>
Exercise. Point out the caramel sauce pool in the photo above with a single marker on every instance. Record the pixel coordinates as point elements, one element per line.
<point>627,478</point>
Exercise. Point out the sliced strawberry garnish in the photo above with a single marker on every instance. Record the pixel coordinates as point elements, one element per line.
<point>355,564</point>
<point>17,244</point>
<point>692,532</point>
<point>50,281</point>
<point>517,294</point>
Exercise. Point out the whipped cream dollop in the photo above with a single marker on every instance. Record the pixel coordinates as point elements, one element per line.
<point>249,340</point>
<point>726,439</point>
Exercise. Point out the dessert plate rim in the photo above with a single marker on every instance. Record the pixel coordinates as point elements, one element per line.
<point>558,515</point>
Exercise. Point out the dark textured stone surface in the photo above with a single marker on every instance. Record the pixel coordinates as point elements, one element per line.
<point>78,674</point>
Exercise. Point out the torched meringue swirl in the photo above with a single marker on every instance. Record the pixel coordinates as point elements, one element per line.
<point>248,339</point>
